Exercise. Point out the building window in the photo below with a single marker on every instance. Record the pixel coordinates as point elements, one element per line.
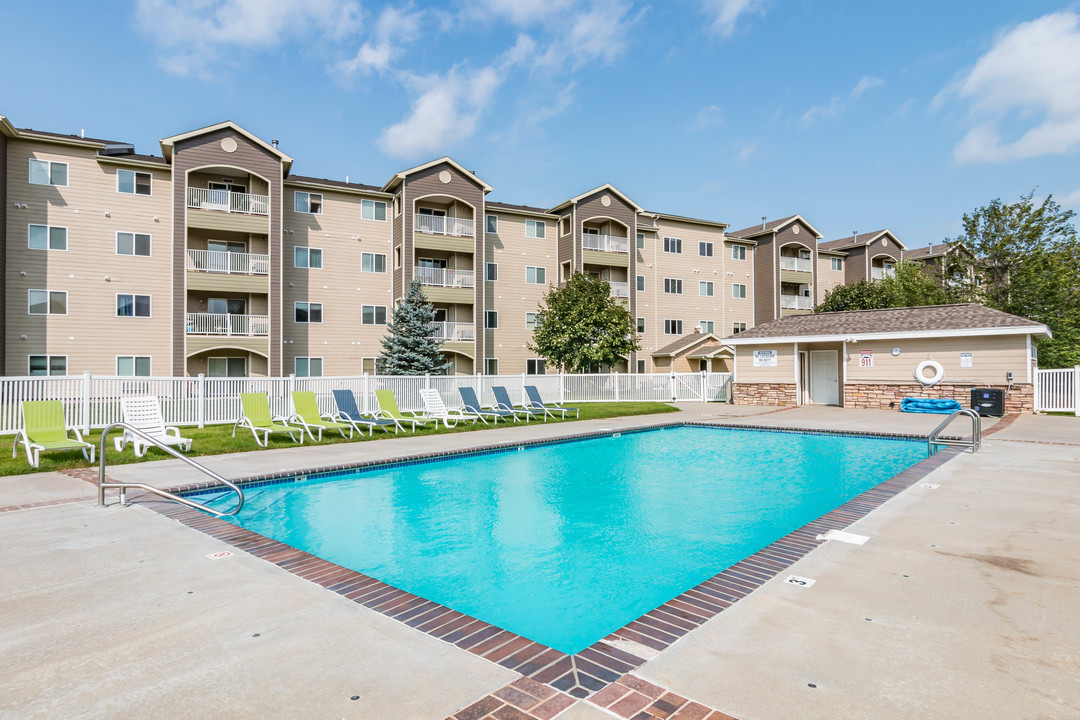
<point>307,366</point>
<point>641,241</point>
<point>705,249</point>
<point>737,328</point>
<point>46,237</point>
<point>641,366</point>
<point>641,325</point>
<point>738,290</point>
<point>530,321</point>
<point>672,245</point>
<point>307,257</point>
<point>705,289</point>
<point>132,305</point>
<point>641,283</point>
<point>535,275</point>
<point>837,263</point>
<point>307,312</point>
<point>367,365</point>
<point>397,257</point>
<point>534,366</point>
<point>133,365</point>
<point>372,262</point>
<point>133,244</point>
<point>491,272</point>
<point>673,327</point>
<point>45,172</point>
<point>491,366</point>
<point>373,315</point>
<point>46,365</point>
<point>535,229</point>
<point>308,203</point>
<point>491,224</point>
<point>226,367</point>
<point>706,326</point>
<point>738,252</point>
<point>491,319</point>
<point>672,286</point>
<point>373,210</point>
<point>48,302</point>
<point>133,183</point>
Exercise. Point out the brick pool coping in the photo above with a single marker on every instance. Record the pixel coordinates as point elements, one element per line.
<point>607,663</point>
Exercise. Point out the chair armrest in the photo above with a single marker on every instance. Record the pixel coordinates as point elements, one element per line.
<point>172,430</point>
<point>78,435</point>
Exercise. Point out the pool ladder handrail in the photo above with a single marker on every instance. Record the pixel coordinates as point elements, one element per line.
<point>975,443</point>
<point>123,486</point>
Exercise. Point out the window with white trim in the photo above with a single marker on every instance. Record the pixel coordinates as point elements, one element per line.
<point>705,249</point>
<point>535,275</point>
<point>46,237</point>
<point>706,326</point>
<point>491,224</point>
<point>530,321</point>
<point>133,365</point>
<point>307,366</point>
<point>373,314</point>
<point>368,365</point>
<point>673,327</point>
<point>673,245</point>
<point>641,283</point>
<point>491,319</point>
<point>130,305</point>
<point>137,244</point>
<point>47,302</point>
<point>535,229</point>
<point>738,252</point>
<point>672,286</point>
<point>491,366</point>
<point>307,312</point>
<point>131,182</point>
<point>641,325</point>
<point>307,203</point>
<point>37,365</point>
<point>535,366</point>
<point>47,172</point>
<point>373,210</point>
<point>641,366</point>
<point>837,263</point>
<point>373,262</point>
<point>491,272</point>
<point>738,290</point>
<point>307,257</point>
<point>705,288</point>
<point>641,241</point>
<point>737,328</point>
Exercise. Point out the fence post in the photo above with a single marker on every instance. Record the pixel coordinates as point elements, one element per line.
<point>86,403</point>
<point>615,380</point>
<point>1076,391</point>
<point>290,385</point>
<point>704,389</point>
<point>366,393</point>
<point>562,387</point>
<point>671,387</point>
<point>522,398</point>
<point>200,399</point>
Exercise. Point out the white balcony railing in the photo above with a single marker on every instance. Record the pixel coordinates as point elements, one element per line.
<point>452,330</point>
<point>796,302</point>
<point>796,263</point>
<point>226,201</point>
<point>444,277</point>
<point>232,263</point>
<point>877,273</point>
<point>619,289</point>
<point>605,243</point>
<point>223,324</point>
<point>442,225</point>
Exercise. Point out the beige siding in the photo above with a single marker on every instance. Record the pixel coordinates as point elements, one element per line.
<point>784,372</point>
<point>992,357</point>
<point>90,335</point>
<point>827,278</point>
<point>742,272</point>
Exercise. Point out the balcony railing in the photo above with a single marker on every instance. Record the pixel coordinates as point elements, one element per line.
<point>796,302</point>
<point>444,277</point>
<point>452,330</point>
<point>605,243</point>
<point>796,263</point>
<point>227,201</point>
<point>442,225</point>
<point>877,273</point>
<point>619,289</point>
<point>223,324</point>
<point>230,263</point>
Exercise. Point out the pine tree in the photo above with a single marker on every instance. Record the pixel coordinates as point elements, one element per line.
<point>408,347</point>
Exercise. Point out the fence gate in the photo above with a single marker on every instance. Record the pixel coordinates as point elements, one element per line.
<point>1058,390</point>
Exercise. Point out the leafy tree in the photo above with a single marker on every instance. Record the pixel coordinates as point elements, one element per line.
<point>910,286</point>
<point>581,325</point>
<point>408,346</point>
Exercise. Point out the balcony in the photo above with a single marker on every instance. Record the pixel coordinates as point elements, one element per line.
<point>444,277</point>
<point>442,225</point>
<point>219,324</point>
<point>451,331</point>
<point>880,273</point>
<point>796,302</point>
<point>796,263</point>
<point>228,202</point>
<point>605,243</point>
<point>229,263</point>
<point>619,289</point>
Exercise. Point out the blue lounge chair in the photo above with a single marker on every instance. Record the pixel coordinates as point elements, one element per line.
<point>503,402</point>
<point>473,407</point>
<point>537,403</point>
<point>350,413</point>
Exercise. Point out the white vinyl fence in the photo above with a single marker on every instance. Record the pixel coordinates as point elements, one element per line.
<point>1058,390</point>
<point>92,401</point>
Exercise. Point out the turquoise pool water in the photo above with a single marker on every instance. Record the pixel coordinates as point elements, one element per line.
<point>565,543</point>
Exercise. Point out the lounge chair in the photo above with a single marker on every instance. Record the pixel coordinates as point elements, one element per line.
<point>306,415</point>
<point>388,410</point>
<point>256,417</point>
<point>434,407</point>
<point>44,429</point>
<point>473,407</point>
<point>144,413</point>
<point>350,413</point>
<point>503,402</point>
<point>537,403</point>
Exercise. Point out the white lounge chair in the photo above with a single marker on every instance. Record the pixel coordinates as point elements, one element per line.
<point>435,408</point>
<point>144,413</point>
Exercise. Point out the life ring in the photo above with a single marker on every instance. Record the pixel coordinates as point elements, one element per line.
<point>921,376</point>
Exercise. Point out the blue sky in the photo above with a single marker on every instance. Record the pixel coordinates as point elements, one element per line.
<point>856,115</point>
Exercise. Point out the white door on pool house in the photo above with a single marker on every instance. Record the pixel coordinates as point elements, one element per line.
<point>824,382</point>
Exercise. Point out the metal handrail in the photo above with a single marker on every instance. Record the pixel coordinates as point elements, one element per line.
<point>975,443</point>
<point>102,485</point>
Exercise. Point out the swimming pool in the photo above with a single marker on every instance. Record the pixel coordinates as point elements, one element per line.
<point>566,543</point>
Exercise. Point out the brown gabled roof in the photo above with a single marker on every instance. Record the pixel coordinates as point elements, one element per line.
<point>522,208</point>
<point>929,319</point>
<point>68,136</point>
<point>686,341</point>
<point>758,229</point>
<point>709,350</point>
<point>925,253</point>
<point>857,241</point>
<point>138,156</point>
<point>335,183</point>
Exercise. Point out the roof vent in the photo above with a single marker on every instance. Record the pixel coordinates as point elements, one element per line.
<point>117,149</point>
<point>854,236</point>
<point>763,221</point>
<point>275,143</point>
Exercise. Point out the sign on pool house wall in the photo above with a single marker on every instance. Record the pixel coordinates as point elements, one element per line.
<point>765,358</point>
<point>866,358</point>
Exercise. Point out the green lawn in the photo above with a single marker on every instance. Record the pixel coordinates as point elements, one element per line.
<point>218,439</point>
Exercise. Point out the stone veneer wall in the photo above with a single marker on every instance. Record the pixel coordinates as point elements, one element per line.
<point>1020,399</point>
<point>764,394</point>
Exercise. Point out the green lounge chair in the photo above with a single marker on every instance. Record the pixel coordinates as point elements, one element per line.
<point>256,417</point>
<point>388,408</point>
<point>306,414</point>
<point>44,429</point>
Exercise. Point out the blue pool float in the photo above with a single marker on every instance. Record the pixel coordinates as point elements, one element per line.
<point>928,405</point>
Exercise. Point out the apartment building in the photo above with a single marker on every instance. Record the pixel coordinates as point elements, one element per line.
<point>869,256</point>
<point>786,267</point>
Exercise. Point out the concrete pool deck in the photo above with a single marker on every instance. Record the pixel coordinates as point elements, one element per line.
<point>97,617</point>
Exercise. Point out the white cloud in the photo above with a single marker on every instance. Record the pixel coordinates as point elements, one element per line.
<point>392,29</point>
<point>1031,72</point>
<point>196,34</point>
<point>725,13</point>
<point>596,32</point>
<point>1072,200</point>
<point>838,103</point>
<point>746,150</point>
<point>519,12</point>
<point>707,117</point>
